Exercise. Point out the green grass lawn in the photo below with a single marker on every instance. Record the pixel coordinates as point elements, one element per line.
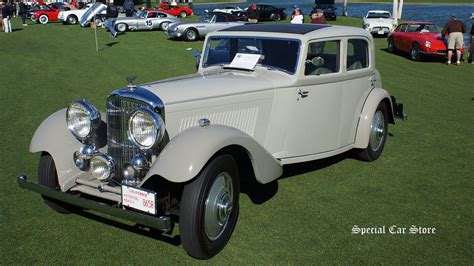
<point>423,178</point>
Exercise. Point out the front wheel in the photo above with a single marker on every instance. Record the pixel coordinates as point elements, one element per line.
<point>415,54</point>
<point>378,135</point>
<point>209,208</point>
<point>182,14</point>
<point>190,35</point>
<point>48,177</point>
<point>43,19</point>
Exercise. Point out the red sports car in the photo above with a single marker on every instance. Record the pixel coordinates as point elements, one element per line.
<point>178,11</point>
<point>419,39</point>
<point>45,13</point>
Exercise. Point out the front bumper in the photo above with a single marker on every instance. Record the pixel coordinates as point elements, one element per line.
<point>173,34</point>
<point>440,53</point>
<point>162,223</point>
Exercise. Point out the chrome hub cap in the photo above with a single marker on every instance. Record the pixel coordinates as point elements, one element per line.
<point>191,35</point>
<point>218,206</point>
<point>377,131</point>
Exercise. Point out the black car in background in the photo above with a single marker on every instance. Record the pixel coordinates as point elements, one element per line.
<point>265,13</point>
<point>328,8</point>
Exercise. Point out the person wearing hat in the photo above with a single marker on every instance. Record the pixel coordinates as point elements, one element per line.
<point>455,29</point>
<point>318,17</point>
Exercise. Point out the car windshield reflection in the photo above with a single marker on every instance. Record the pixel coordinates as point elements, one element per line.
<point>276,54</point>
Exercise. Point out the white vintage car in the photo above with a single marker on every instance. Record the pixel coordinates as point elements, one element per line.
<point>228,9</point>
<point>379,22</point>
<point>74,16</point>
<point>178,150</point>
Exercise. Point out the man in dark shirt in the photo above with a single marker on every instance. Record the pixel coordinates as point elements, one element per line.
<point>252,14</point>
<point>455,29</point>
<point>112,14</point>
<point>6,13</point>
<point>22,12</point>
<point>471,46</point>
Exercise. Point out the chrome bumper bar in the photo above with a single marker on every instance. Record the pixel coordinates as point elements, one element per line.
<point>162,223</point>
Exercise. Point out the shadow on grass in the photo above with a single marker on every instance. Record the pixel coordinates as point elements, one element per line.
<point>137,229</point>
<point>13,30</point>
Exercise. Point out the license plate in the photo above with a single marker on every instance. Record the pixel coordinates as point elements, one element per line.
<point>381,32</point>
<point>139,199</point>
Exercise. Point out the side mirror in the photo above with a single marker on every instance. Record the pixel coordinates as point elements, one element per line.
<point>197,56</point>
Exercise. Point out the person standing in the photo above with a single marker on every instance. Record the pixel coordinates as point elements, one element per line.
<point>22,12</point>
<point>252,14</point>
<point>471,45</point>
<point>297,17</point>
<point>112,14</point>
<point>318,17</point>
<point>128,7</point>
<point>6,13</point>
<point>455,29</point>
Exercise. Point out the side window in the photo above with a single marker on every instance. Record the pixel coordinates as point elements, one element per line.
<point>322,58</point>
<point>221,18</point>
<point>357,54</point>
<point>403,28</point>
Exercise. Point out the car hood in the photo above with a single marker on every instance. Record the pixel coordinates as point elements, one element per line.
<point>215,84</point>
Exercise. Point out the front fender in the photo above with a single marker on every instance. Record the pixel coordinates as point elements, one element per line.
<point>186,154</point>
<point>375,97</point>
<point>53,137</point>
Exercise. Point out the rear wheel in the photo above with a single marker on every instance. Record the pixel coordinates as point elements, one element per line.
<point>164,25</point>
<point>391,46</point>
<point>415,54</point>
<point>378,135</point>
<point>190,35</point>
<point>48,177</point>
<point>209,208</point>
<point>71,19</point>
<point>43,19</point>
<point>182,14</point>
<point>276,17</point>
<point>121,27</point>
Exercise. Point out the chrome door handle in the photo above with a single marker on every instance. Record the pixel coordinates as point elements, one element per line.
<point>303,94</point>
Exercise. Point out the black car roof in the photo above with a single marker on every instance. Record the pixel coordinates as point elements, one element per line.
<point>278,28</point>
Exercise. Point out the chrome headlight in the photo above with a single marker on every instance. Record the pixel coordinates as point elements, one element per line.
<point>82,119</point>
<point>428,44</point>
<point>145,128</point>
<point>102,166</point>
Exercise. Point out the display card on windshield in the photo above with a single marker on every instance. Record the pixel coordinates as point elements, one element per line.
<point>245,61</point>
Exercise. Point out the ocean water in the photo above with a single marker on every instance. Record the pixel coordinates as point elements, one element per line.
<point>436,13</point>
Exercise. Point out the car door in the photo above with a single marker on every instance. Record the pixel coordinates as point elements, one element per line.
<point>403,38</point>
<point>316,107</point>
<point>359,80</point>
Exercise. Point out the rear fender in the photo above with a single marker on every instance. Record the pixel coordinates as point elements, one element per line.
<point>376,96</point>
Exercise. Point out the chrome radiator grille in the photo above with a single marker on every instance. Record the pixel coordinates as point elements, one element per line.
<point>119,147</point>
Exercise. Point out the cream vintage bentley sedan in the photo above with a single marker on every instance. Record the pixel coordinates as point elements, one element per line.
<point>178,150</point>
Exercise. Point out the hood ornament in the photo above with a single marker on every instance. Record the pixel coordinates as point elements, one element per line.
<point>130,84</point>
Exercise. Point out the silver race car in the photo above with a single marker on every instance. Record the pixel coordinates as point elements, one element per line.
<point>145,20</point>
<point>193,30</point>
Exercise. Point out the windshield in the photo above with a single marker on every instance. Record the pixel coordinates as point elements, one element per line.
<point>206,17</point>
<point>421,28</point>
<point>140,14</point>
<point>378,15</point>
<point>280,54</point>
